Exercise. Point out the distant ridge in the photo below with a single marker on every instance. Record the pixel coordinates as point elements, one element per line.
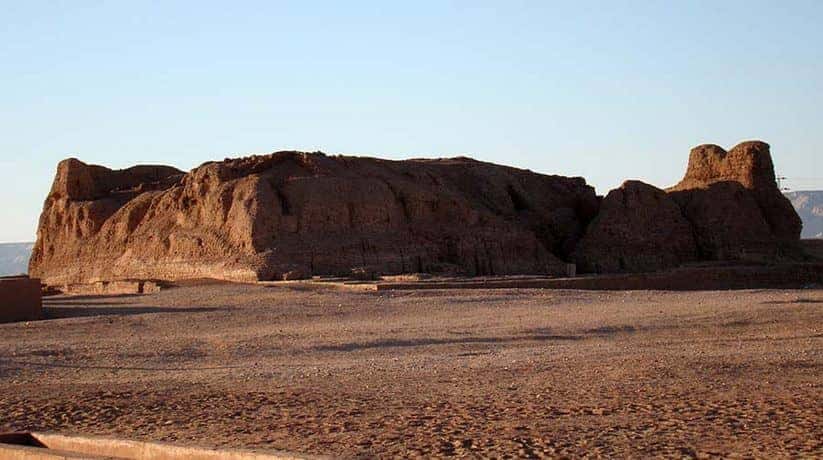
<point>809,206</point>
<point>14,258</point>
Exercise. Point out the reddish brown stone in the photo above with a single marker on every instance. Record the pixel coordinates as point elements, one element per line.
<point>20,299</point>
<point>269,217</point>
<point>734,205</point>
<point>292,215</point>
<point>639,228</point>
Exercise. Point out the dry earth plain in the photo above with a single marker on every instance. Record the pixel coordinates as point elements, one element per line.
<point>501,373</point>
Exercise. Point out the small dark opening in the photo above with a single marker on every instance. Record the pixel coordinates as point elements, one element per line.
<point>285,207</point>
<point>520,203</point>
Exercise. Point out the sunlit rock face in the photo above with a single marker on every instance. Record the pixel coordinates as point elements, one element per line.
<point>294,214</point>
<point>727,208</point>
<point>733,202</point>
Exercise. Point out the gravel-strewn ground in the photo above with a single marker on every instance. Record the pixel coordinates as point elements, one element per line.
<point>430,373</point>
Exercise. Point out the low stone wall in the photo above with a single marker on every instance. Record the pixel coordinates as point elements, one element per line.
<point>707,278</point>
<point>20,299</point>
<point>112,288</point>
<point>47,446</point>
<point>786,276</point>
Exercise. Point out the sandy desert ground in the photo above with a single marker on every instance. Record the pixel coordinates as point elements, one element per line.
<point>501,373</point>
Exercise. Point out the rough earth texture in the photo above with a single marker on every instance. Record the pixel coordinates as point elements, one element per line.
<point>733,202</point>
<point>471,374</point>
<point>20,299</point>
<point>292,215</point>
<point>639,228</point>
<point>727,207</point>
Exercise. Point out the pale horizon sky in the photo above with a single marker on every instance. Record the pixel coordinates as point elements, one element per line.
<point>605,90</point>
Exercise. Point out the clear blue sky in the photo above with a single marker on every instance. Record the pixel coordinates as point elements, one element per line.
<point>606,90</point>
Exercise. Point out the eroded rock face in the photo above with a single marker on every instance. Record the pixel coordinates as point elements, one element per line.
<point>727,207</point>
<point>266,217</point>
<point>734,205</point>
<point>292,215</point>
<point>639,228</point>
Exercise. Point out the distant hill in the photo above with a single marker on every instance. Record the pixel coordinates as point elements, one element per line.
<point>14,258</point>
<point>809,205</point>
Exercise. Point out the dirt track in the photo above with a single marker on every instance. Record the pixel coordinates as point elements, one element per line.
<point>474,373</point>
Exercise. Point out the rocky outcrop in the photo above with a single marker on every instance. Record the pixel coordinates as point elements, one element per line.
<point>734,205</point>
<point>639,228</point>
<point>293,214</point>
<point>727,207</point>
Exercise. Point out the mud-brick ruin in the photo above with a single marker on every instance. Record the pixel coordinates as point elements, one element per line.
<point>293,215</point>
<point>20,299</point>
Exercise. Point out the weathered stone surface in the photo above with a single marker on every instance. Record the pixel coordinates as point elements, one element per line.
<point>748,163</point>
<point>289,213</point>
<point>112,288</point>
<point>20,299</point>
<point>639,228</point>
<point>734,205</point>
<point>293,215</point>
<point>727,207</point>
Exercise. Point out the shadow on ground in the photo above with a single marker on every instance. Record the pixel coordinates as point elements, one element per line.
<point>781,302</point>
<point>76,298</point>
<point>18,364</point>
<point>70,311</point>
<point>390,343</point>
